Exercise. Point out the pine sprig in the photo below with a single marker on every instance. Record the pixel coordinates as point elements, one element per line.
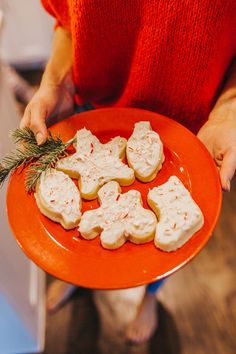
<point>43,164</point>
<point>42,157</point>
<point>20,157</point>
<point>23,136</point>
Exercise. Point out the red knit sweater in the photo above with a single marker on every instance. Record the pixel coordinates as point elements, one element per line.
<point>168,56</point>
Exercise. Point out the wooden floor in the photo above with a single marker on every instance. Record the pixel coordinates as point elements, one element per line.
<point>197,312</point>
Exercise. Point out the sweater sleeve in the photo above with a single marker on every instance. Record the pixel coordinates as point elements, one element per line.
<point>59,10</point>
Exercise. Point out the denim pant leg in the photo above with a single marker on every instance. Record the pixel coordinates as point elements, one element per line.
<point>153,287</point>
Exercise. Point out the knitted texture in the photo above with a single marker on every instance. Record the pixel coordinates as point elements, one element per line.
<point>169,56</point>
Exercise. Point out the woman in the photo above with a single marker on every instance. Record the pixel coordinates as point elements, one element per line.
<point>175,58</point>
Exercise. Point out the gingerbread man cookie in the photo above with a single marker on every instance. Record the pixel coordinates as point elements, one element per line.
<point>94,163</point>
<point>178,214</point>
<point>145,152</point>
<point>120,217</point>
<point>58,198</point>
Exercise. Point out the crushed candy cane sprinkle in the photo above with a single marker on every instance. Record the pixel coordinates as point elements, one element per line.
<point>145,149</point>
<point>178,213</point>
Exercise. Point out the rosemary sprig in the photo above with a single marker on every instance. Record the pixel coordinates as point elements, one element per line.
<point>42,157</point>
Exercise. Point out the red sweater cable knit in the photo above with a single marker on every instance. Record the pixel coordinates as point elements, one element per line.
<point>168,56</point>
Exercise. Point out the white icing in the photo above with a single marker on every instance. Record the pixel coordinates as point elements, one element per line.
<point>179,216</point>
<point>95,163</point>
<point>145,150</point>
<point>57,194</point>
<point>120,217</point>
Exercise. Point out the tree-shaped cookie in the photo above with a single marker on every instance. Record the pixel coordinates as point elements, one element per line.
<point>145,152</point>
<point>120,217</point>
<point>179,217</point>
<point>94,163</point>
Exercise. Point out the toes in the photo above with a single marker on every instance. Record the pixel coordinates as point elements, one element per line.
<point>140,333</point>
<point>51,305</point>
<point>58,293</point>
<point>136,335</point>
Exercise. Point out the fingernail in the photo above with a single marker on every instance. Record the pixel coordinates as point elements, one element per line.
<point>39,138</point>
<point>228,186</point>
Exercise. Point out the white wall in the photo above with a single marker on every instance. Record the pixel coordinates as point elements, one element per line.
<point>22,284</point>
<point>27,33</point>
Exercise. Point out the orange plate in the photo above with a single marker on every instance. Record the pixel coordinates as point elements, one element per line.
<point>66,255</point>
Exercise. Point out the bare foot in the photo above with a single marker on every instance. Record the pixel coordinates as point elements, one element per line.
<point>146,322</point>
<point>58,293</point>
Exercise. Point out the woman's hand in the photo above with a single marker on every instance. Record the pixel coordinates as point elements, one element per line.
<point>218,134</point>
<point>50,101</point>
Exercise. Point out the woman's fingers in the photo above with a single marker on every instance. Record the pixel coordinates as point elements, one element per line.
<point>34,118</point>
<point>38,116</point>
<point>228,168</point>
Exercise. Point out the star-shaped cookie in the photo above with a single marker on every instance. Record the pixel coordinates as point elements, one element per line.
<point>95,163</point>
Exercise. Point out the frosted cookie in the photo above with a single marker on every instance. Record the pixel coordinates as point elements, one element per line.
<point>94,163</point>
<point>144,152</point>
<point>120,217</point>
<point>88,143</point>
<point>58,198</point>
<point>179,216</point>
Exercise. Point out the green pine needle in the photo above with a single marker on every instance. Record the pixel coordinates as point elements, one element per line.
<point>23,136</point>
<point>41,157</point>
<point>20,157</point>
<point>44,163</point>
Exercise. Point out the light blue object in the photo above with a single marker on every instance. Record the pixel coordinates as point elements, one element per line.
<point>14,336</point>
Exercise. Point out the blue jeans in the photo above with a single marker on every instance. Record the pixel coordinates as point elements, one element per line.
<point>154,287</point>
